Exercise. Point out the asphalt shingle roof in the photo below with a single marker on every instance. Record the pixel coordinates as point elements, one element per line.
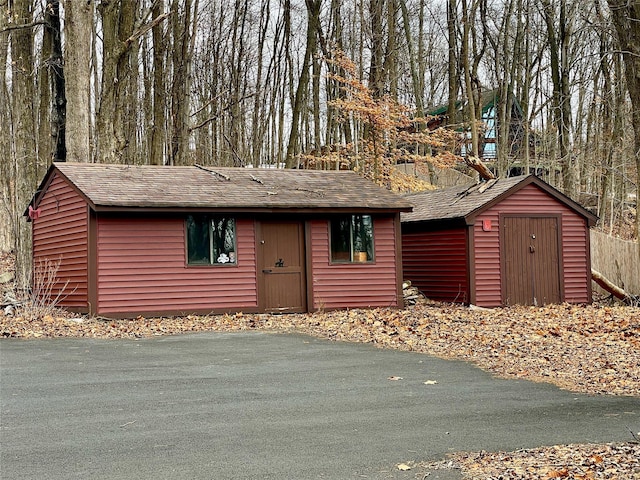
<point>456,202</point>
<point>463,202</point>
<point>107,185</point>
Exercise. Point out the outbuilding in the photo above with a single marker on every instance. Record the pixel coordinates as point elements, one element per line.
<point>502,242</point>
<point>127,240</point>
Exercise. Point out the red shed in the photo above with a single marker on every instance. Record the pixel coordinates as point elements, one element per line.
<point>150,240</point>
<point>503,242</point>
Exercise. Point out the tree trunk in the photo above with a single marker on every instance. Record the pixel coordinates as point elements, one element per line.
<point>467,16</point>
<point>376,67</point>
<point>42,102</point>
<point>626,19</point>
<point>336,131</point>
<point>559,52</point>
<point>183,21</point>
<point>56,148</point>
<point>293,147</point>
<point>158,117</point>
<point>391,55</point>
<point>452,38</point>
<point>78,23</point>
<point>258,122</point>
<point>415,77</point>
<point>24,135</point>
<point>111,122</point>
<point>7,234</point>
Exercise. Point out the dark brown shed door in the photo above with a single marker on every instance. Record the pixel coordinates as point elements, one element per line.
<point>531,254</point>
<point>281,262</point>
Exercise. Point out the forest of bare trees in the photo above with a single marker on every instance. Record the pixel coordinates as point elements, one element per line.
<point>262,82</point>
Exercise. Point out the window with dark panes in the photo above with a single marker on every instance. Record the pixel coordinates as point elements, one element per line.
<point>352,239</point>
<point>211,240</point>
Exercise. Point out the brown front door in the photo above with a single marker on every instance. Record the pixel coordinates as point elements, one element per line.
<point>531,254</point>
<point>281,267</point>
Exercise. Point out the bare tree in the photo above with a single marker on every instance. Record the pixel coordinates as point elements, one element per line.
<point>559,33</point>
<point>452,36</point>
<point>376,68</point>
<point>157,121</point>
<point>254,81</point>
<point>313,19</point>
<point>112,123</point>
<point>626,20</point>
<point>79,18</point>
<point>55,147</point>
<point>183,23</point>
<point>24,159</point>
<point>7,234</point>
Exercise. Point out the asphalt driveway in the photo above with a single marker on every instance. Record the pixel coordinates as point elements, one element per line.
<point>267,406</point>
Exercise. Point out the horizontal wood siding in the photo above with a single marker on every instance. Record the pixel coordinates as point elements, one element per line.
<point>436,263</point>
<point>575,260</point>
<point>486,267</point>
<point>354,285</point>
<point>60,234</point>
<point>142,268</point>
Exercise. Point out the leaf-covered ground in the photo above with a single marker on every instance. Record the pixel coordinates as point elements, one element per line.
<point>594,349</point>
<point>614,461</point>
<point>589,349</point>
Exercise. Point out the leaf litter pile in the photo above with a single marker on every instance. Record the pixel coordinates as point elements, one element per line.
<point>589,349</point>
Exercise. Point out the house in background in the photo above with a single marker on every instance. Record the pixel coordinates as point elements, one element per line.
<point>490,101</point>
<point>503,242</point>
<point>151,240</point>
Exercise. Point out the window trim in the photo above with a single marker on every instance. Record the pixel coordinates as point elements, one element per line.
<point>210,219</point>
<point>351,260</point>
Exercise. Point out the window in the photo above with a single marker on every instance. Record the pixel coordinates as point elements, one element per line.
<point>352,239</point>
<point>211,240</point>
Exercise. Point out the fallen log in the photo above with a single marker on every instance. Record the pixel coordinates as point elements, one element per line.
<point>478,165</point>
<point>613,289</point>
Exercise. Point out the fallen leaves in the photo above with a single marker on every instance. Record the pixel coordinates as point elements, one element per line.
<point>591,349</point>
<point>578,462</point>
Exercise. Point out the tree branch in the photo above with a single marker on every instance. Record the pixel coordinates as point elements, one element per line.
<point>24,25</point>
<point>145,28</point>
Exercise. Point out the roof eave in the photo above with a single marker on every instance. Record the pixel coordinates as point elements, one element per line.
<point>245,210</point>
<point>44,185</point>
<point>528,180</point>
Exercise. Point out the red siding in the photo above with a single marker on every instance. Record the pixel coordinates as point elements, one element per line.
<point>142,268</point>
<point>354,285</point>
<point>60,234</point>
<point>574,245</point>
<point>486,267</point>
<point>436,263</point>
<point>576,259</point>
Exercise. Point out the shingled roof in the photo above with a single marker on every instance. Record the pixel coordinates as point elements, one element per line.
<point>465,202</point>
<point>114,187</point>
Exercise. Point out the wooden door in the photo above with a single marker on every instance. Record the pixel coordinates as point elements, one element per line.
<point>531,261</point>
<point>281,267</point>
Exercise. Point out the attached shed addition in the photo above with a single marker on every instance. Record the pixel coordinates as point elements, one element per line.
<point>503,242</point>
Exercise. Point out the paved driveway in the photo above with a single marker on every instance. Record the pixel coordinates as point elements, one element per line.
<point>267,406</point>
